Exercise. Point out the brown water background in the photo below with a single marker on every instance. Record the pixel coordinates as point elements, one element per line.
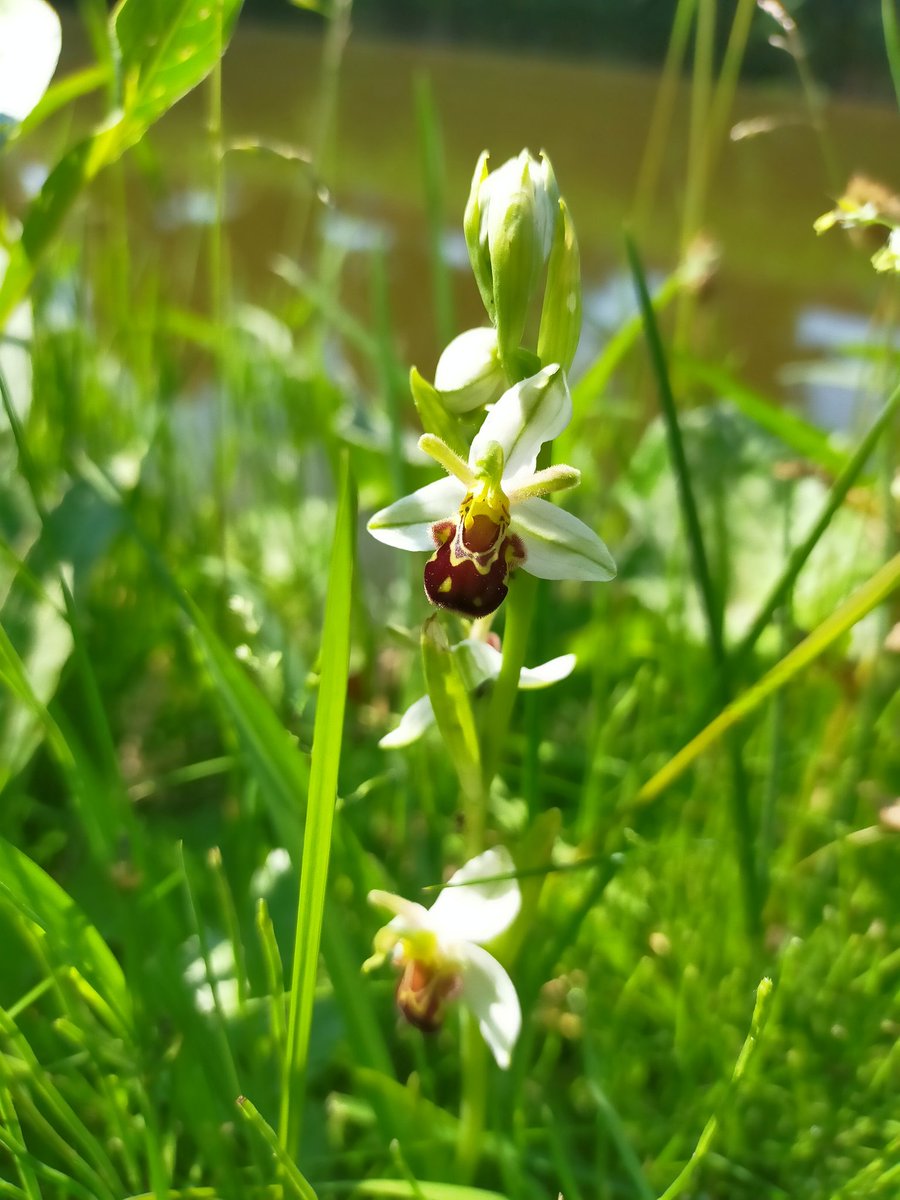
<point>781,292</point>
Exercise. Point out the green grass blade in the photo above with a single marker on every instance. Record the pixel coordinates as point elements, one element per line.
<point>9,1117</point>
<point>713,605</point>
<point>89,1155</point>
<point>833,502</point>
<point>293,1176</point>
<point>761,1012</point>
<point>70,935</point>
<point>891,42</point>
<point>869,596</point>
<point>326,753</point>
<point>432,154</point>
<point>402,1189</point>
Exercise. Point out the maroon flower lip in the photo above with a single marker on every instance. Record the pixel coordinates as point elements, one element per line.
<point>423,993</point>
<point>468,580</point>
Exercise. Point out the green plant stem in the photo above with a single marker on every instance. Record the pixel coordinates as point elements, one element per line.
<point>519,608</point>
<point>473,1104</point>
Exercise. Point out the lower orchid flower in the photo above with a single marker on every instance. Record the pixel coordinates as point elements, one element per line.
<point>439,951</point>
<point>480,662</point>
<point>488,517</point>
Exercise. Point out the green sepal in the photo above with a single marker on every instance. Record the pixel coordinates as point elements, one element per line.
<point>479,255</point>
<point>516,264</point>
<point>446,686</point>
<point>561,311</point>
<point>522,365</point>
<point>434,417</point>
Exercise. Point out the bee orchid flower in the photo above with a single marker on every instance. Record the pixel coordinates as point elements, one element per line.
<point>480,662</point>
<point>489,516</point>
<point>440,954</point>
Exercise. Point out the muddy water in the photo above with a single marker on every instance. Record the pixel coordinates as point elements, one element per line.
<point>780,294</point>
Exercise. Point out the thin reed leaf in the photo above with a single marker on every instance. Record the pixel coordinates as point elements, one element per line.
<point>326,753</point>
<point>66,1186</point>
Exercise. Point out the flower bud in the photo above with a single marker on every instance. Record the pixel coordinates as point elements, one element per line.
<point>469,373</point>
<point>510,222</point>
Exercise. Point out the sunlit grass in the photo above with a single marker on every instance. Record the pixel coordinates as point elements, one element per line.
<point>197,662</point>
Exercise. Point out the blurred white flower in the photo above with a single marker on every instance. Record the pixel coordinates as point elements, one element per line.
<point>440,954</point>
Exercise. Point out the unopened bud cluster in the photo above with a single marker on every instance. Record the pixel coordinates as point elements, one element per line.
<point>524,257</point>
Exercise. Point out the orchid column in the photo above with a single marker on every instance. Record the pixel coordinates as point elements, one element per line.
<point>490,417</point>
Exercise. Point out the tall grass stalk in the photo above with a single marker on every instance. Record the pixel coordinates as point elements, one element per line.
<point>663,111</point>
<point>320,802</point>
<point>713,604</point>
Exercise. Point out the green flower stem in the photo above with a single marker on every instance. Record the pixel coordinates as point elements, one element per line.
<point>520,605</point>
<point>473,1104</point>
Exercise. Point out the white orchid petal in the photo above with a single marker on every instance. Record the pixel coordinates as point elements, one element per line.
<point>407,523</point>
<point>527,415</point>
<point>469,911</point>
<point>558,545</point>
<point>489,993</point>
<point>547,673</point>
<point>417,718</point>
<point>478,662</point>
<point>408,916</point>
<point>469,374</point>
